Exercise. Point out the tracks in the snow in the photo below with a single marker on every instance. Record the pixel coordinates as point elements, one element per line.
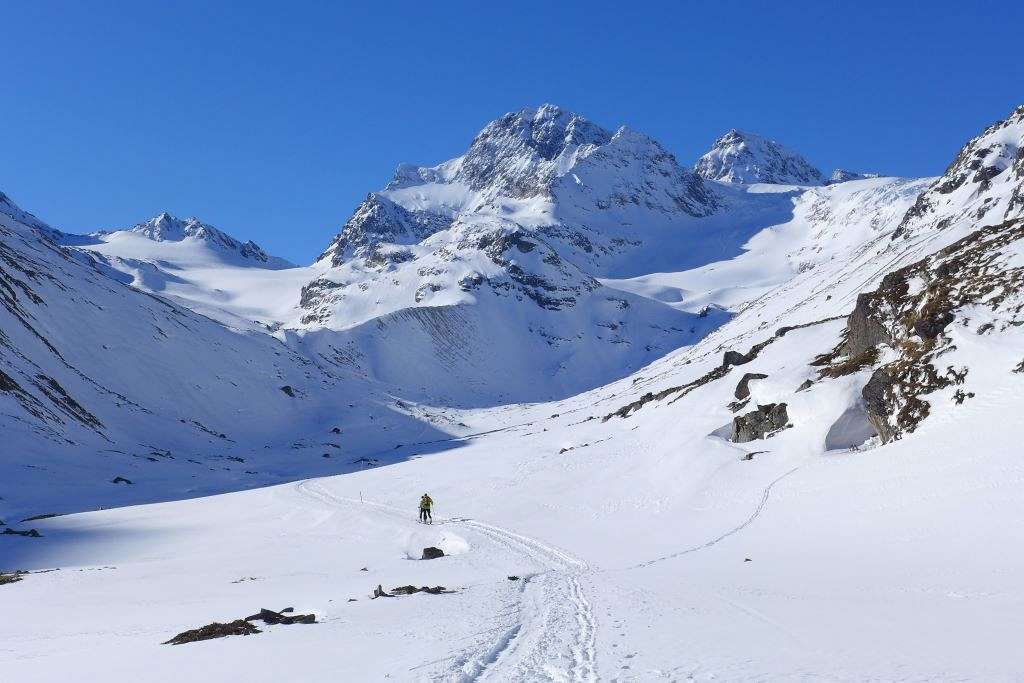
<point>551,635</point>
<point>754,515</point>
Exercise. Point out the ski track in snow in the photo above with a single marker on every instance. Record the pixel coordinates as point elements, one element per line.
<point>552,635</point>
<point>750,520</point>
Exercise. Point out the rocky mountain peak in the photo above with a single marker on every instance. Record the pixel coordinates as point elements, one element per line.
<point>517,154</point>
<point>545,153</point>
<point>983,186</point>
<point>744,158</point>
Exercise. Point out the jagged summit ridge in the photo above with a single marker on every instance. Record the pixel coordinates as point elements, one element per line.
<point>745,158</point>
<point>503,247</point>
<point>546,157</point>
<point>518,154</point>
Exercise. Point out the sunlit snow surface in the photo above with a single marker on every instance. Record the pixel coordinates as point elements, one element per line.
<point>646,547</point>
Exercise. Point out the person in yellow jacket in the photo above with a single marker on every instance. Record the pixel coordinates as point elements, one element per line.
<point>425,502</point>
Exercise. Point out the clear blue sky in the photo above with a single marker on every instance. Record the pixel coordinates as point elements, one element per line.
<point>271,120</point>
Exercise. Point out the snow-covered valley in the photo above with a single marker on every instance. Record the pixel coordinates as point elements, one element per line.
<point>677,424</point>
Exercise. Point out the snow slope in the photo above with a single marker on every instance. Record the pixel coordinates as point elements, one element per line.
<point>99,380</point>
<point>633,549</point>
<point>869,535</point>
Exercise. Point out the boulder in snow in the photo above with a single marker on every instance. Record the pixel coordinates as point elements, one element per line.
<point>238,627</point>
<point>432,553</point>
<point>760,423</point>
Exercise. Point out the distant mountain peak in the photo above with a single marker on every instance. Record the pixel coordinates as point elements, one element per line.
<point>537,153</point>
<point>841,175</point>
<point>166,227</point>
<point>744,158</point>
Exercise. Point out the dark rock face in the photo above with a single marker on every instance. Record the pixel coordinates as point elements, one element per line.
<point>242,627</point>
<point>31,533</point>
<point>288,390</point>
<point>432,553</point>
<point>735,358</point>
<point>379,220</point>
<point>120,480</point>
<point>743,388</point>
<point>761,423</point>
<point>410,590</point>
<point>912,322</point>
<point>238,627</point>
<point>864,329</point>
<point>269,616</point>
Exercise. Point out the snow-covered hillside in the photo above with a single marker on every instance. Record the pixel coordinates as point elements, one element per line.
<point>744,158</point>
<point>99,380</point>
<point>825,486</point>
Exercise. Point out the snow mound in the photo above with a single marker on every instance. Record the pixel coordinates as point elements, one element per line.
<point>451,543</point>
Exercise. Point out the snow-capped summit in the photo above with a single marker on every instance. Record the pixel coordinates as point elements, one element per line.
<point>518,154</point>
<point>533,163</point>
<point>746,158</point>
<point>167,228</point>
<point>841,175</point>
<point>503,247</point>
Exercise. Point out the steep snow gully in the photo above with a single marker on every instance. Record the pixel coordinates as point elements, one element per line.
<point>548,632</point>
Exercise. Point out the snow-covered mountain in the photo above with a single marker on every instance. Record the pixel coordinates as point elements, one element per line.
<point>502,248</point>
<point>188,240</point>
<point>983,186</point>
<point>745,158</point>
<point>99,380</point>
<point>841,175</point>
<point>825,486</point>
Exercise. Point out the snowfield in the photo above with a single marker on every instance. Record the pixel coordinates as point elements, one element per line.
<point>815,477</point>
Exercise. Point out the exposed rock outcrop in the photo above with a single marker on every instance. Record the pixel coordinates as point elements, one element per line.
<point>238,627</point>
<point>762,423</point>
<point>909,315</point>
<point>743,388</point>
<point>432,553</point>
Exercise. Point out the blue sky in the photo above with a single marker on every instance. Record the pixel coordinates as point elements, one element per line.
<point>273,120</point>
